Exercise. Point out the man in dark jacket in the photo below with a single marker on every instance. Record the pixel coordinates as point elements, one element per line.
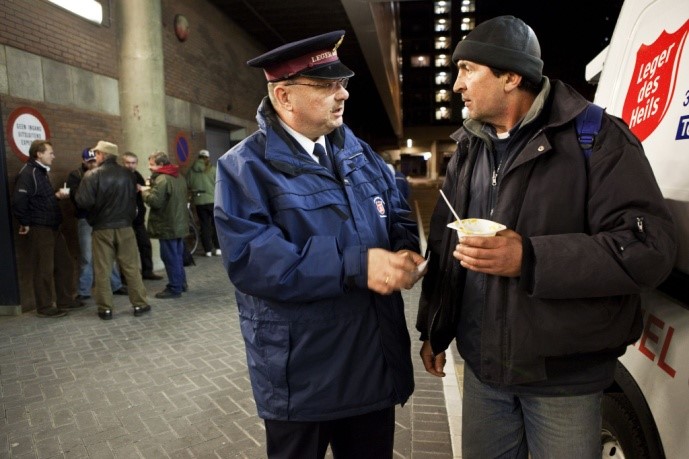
<point>108,193</point>
<point>131,162</point>
<point>318,246</point>
<point>84,231</point>
<point>542,310</point>
<point>35,205</point>
<point>169,219</point>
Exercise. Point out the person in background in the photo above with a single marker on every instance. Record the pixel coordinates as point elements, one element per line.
<point>36,208</point>
<point>318,243</point>
<point>143,242</point>
<point>84,230</point>
<point>401,181</point>
<point>108,194</point>
<point>400,178</point>
<point>201,183</point>
<point>541,311</point>
<point>168,220</point>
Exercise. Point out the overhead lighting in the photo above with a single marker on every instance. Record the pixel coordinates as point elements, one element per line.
<point>88,9</point>
<point>409,143</point>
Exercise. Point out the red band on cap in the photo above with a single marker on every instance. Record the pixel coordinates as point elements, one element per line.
<point>290,68</point>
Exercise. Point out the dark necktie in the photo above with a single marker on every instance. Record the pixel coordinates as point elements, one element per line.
<point>322,156</point>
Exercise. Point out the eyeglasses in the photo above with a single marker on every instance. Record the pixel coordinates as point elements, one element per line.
<point>331,85</point>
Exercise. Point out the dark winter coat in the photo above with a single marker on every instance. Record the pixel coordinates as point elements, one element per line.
<point>34,202</point>
<point>73,182</point>
<point>108,194</point>
<point>595,234</point>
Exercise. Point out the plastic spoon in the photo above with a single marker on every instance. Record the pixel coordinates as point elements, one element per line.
<point>459,221</point>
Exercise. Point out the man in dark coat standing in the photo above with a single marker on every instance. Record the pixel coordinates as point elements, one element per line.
<point>131,162</point>
<point>35,205</point>
<point>541,311</point>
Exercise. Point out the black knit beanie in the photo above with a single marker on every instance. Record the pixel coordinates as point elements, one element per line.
<point>505,43</point>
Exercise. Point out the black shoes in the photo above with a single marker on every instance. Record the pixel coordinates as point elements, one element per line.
<point>121,291</point>
<point>50,312</point>
<point>167,294</point>
<point>76,304</point>
<point>105,314</point>
<point>141,310</point>
<point>151,276</point>
<point>82,297</point>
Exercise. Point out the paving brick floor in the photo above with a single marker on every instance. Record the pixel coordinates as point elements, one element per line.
<point>172,384</point>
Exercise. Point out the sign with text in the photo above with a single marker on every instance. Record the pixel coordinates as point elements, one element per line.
<point>654,81</point>
<point>25,125</point>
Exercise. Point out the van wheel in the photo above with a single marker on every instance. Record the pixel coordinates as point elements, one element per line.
<point>621,435</point>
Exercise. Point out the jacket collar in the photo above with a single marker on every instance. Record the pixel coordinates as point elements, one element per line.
<point>556,100</point>
<point>284,153</point>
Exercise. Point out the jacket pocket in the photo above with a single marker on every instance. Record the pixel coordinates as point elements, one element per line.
<point>267,348</point>
<point>566,327</point>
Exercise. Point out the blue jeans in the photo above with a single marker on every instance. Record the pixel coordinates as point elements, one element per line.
<point>84,233</point>
<point>172,254</point>
<point>501,424</point>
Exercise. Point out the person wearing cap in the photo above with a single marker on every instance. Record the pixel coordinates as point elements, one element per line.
<point>318,243</point>
<point>84,230</point>
<point>201,184</point>
<point>35,206</point>
<point>108,194</point>
<point>541,311</point>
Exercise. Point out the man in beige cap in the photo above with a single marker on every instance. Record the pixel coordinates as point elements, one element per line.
<point>108,192</point>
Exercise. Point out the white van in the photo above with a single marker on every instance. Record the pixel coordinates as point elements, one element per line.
<point>643,77</point>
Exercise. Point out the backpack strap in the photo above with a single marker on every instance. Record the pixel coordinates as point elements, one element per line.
<point>588,125</point>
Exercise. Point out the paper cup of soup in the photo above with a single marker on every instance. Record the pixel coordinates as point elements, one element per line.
<point>476,227</point>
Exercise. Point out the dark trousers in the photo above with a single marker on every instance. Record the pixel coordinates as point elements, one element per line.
<point>209,238</point>
<point>367,436</point>
<point>52,266</point>
<point>145,250</point>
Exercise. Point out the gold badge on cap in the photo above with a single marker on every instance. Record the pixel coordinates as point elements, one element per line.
<point>339,42</point>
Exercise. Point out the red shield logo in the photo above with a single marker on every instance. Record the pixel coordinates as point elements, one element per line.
<point>380,205</point>
<point>653,82</point>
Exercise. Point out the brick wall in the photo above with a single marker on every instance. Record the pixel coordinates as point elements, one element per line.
<point>44,29</point>
<point>209,68</point>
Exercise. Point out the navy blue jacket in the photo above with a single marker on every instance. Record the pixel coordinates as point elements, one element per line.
<point>34,202</point>
<point>320,345</point>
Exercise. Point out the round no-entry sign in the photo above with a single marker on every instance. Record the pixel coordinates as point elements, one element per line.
<point>25,125</point>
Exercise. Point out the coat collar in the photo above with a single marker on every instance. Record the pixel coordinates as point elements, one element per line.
<point>285,153</point>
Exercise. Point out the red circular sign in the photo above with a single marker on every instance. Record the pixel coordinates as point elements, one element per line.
<point>25,125</point>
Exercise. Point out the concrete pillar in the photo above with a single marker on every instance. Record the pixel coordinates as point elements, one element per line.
<point>142,84</point>
<point>434,161</point>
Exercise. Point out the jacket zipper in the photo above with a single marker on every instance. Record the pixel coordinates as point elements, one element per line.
<point>641,232</point>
